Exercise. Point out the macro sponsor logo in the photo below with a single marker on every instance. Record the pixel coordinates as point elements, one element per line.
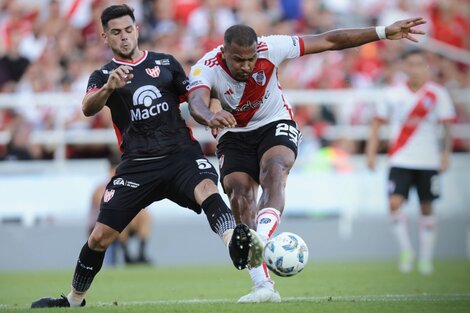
<point>145,96</point>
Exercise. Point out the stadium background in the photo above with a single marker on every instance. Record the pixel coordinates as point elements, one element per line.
<point>53,157</point>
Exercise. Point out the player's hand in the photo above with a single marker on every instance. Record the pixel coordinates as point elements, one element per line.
<point>119,77</point>
<point>222,119</point>
<point>405,29</point>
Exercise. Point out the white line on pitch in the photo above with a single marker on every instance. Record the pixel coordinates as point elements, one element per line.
<point>359,298</point>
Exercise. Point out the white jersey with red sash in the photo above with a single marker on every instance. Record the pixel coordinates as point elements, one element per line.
<point>414,119</point>
<point>260,100</point>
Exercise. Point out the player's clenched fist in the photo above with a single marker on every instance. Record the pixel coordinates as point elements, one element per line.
<point>222,119</point>
<point>119,77</point>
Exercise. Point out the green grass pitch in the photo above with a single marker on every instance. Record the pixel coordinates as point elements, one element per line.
<point>322,287</point>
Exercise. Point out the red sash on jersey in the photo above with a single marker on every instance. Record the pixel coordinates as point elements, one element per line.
<point>425,104</point>
<point>255,90</point>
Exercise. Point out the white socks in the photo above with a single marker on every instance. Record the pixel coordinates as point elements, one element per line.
<point>400,229</point>
<point>260,277</point>
<point>427,236</point>
<point>266,223</point>
<point>75,299</point>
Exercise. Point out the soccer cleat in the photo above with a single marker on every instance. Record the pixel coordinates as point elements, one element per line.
<point>61,302</point>
<point>261,294</point>
<point>425,267</point>
<point>255,256</point>
<point>407,259</point>
<point>239,246</point>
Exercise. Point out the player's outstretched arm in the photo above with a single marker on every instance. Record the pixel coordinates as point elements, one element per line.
<point>352,37</point>
<point>199,100</point>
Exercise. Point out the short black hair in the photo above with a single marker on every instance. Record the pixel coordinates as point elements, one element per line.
<point>116,11</point>
<point>242,35</point>
<point>410,52</point>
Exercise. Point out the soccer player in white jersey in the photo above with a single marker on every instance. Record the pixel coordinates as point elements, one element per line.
<point>415,111</point>
<point>257,135</point>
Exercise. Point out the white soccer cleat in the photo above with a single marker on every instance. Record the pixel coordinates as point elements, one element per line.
<point>261,294</point>
<point>407,259</point>
<point>425,267</point>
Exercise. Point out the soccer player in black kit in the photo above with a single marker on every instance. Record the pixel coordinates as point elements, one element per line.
<point>160,157</point>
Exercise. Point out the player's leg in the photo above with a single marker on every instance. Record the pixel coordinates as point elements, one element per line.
<point>120,204</point>
<point>400,181</point>
<point>88,265</point>
<point>242,191</point>
<point>428,191</point>
<point>277,151</point>
<point>275,166</point>
<point>237,237</point>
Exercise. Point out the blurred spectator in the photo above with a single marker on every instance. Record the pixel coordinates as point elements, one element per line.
<point>12,64</point>
<point>450,25</point>
<point>207,24</point>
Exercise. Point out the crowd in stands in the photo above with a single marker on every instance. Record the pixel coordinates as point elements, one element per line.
<point>53,46</point>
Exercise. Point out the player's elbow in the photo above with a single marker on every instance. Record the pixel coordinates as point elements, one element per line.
<point>87,111</point>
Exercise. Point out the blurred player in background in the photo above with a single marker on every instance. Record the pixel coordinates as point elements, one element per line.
<point>415,110</point>
<point>257,135</point>
<point>140,226</point>
<point>160,158</point>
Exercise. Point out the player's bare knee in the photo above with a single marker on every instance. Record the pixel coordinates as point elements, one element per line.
<point>100,239</point>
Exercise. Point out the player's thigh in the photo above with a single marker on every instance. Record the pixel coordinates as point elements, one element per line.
<point>186,173</point>
<point>400,181</point>
<point>237,153</point>
<point>135,185</point>
<point>279,142</point>
<point>428,185</point>
<point>276,161</point>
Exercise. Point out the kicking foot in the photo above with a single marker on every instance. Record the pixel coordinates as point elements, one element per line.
<point>261,294</point>
<point>239,246</point>
<point>61,302</point>
<point>255,256</point>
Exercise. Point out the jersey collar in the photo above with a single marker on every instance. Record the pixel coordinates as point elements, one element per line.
<point>137,62</point>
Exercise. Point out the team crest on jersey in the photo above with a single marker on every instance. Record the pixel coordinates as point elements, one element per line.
<point>428,102</point>
<point>154,72</point>
<point>259,77</point>
<point>108,195</point>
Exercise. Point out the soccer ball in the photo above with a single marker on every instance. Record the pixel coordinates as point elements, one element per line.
<point>286,254</point>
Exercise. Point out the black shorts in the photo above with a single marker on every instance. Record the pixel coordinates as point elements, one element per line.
<point>426,182</point>
<point>242,151</point>
<point>139,183</point>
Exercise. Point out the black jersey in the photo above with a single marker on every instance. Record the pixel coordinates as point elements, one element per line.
<point>146,111</point>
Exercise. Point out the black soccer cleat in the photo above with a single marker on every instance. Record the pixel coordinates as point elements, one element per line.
<point>239,246</point>
<point>61,302</point>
